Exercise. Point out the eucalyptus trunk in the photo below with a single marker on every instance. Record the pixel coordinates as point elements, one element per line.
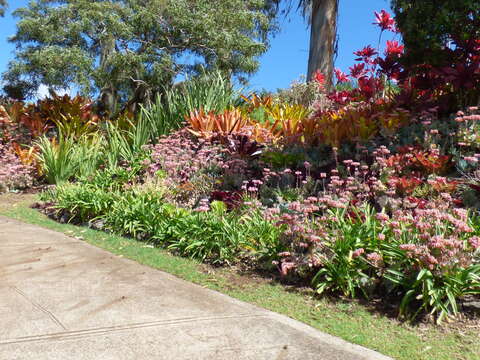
<point>322,39</point>
<point>108,96</point>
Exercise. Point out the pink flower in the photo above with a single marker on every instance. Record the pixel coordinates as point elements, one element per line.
<point>474,242</point>
<point>375,259</point>
<point>382,217</point>
<point>358,252</point>
<point>472,159</point>
<point>285,267</point>
<point>381,237</point>
<point>407,247</point>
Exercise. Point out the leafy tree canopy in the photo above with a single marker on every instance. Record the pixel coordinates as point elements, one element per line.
<point>3,5</point>
<point>131,48</point>
<point>429,26</point>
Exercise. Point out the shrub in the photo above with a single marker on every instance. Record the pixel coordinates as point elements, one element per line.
<point>182,158</point>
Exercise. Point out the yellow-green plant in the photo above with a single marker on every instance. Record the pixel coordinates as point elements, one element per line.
<point>75,126</point>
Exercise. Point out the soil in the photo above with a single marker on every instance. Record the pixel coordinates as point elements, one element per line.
<point>9,200</point>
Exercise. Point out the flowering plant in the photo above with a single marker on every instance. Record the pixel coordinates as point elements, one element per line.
<point>13,173</point>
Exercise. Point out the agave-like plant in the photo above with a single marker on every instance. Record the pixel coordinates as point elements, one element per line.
<point>287,123</point>
<point>208,124</point>
<point>255,101</point>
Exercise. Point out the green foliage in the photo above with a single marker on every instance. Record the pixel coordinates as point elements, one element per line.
<point>127,144</point>
<point>441,22</point>
<point>129,50</point>
<point>112,178</point>
<point>208,236</point>
<point>281,159</point>
<point>84,202</point>
<point>3,5</point>
<point>64,158</point>
<point>216,236</point>
<point>56,159</point>
<point>341,270</point>
<point>439,295</point>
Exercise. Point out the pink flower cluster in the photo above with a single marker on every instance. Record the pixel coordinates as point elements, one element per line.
<point>181,157</point>
<point>13,174</point>
<point>438,237</point>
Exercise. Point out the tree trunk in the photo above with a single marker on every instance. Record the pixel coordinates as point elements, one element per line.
<point>108,97</point>
<point>322,39</point>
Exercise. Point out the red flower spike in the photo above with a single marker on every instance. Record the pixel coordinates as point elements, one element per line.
<point>357,70</point>
<point>385,21</point>
<point>394,48</point>
<point>319,78</point>
<point>341,76</point>
<point>366,54</point>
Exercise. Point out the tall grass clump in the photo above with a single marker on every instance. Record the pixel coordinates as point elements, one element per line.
<point>210,92</point>
<point>126,144</point>
<point>64,157</point>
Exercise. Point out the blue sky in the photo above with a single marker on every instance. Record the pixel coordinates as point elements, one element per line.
<point>287,58</point>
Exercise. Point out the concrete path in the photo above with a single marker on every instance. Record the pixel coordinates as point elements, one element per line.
<point>61,298</point>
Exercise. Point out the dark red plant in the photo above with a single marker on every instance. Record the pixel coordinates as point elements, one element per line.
<point>394,48</point>
<point>454,84</point>
<point>357,70</point>
<point>232,199</point>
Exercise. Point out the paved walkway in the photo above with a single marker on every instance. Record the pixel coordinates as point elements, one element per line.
<point>61,298</point>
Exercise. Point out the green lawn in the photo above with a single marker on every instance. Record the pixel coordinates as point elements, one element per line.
<point>350,321</point>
